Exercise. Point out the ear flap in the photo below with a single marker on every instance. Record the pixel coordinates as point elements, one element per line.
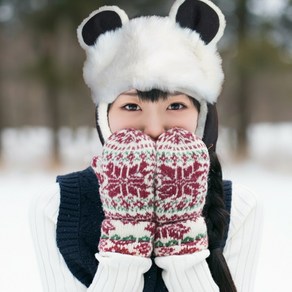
<point>202,16</point>
<point>211,127</point>
<point>107,18</point>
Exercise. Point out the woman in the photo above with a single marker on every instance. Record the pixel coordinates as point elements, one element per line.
<point>152,212</point>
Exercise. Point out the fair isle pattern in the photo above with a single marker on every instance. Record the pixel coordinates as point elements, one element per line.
<point>182,166</point>
<point>127,237</point>
<point>182,162</point>
<point>179,238</point>
<point>126,176</point>
<point>126,173</point>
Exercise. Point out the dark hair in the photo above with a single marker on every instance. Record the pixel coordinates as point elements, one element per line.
<point>216,219</point>
<point>157,94</point>
<point>152,95</point>
<point>214,210</point>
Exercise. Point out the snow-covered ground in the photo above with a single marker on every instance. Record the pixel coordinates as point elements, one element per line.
<point>24,173</point>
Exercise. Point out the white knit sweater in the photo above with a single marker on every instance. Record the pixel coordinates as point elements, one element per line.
<point>124,273</point>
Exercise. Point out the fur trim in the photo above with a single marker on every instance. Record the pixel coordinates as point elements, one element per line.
<point>202,119</point>
<point>103,120</point>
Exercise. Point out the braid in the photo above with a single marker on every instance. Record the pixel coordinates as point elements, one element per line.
<point>216,218</point>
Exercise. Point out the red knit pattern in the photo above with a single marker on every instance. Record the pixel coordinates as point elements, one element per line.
<point>182,163</point>
<point>126,175</point>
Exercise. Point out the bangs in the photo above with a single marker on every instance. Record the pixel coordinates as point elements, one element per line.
<point>152,95</point>
<point>155,95</point>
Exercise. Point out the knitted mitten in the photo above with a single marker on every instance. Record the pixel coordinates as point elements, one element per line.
<point>181,185</point>
<point>126,172</point>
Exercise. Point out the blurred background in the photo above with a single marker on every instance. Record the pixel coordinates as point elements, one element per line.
<point>42,90</point>
<point>47,117</point>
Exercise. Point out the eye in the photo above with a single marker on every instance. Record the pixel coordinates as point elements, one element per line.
<point>131,107</point>
<point>176,106</point>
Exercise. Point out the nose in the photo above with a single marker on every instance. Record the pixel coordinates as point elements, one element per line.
<point>154,128</point>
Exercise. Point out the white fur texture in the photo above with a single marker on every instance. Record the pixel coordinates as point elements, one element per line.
<point>152,52</point>
<point>102,120</point>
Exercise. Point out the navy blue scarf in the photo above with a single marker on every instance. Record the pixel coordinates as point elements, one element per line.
<point>79,222</point>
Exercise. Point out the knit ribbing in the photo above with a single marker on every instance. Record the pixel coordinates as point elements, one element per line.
<point>75,238</point>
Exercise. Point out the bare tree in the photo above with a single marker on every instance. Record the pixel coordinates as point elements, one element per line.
<point>46,24</point>
<point>1,123</point>
<point>242,96</point>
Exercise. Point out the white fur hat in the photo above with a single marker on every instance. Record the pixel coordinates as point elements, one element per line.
<point>177,53</point>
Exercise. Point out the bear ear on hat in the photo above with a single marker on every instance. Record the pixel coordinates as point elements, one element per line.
<point>106,18</point>
<point>202,16</point>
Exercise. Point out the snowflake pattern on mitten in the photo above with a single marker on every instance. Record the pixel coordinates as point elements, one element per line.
<point>126,175</point>
<point>182,166</point>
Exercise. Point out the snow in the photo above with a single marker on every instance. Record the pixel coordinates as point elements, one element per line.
<point>25,172</point>
<point>275,191</point>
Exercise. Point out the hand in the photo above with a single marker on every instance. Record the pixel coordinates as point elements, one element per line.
<point>126,175</point>
<point>182,162</point>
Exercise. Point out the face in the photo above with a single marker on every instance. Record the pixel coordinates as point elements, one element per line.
<point>153,118</point>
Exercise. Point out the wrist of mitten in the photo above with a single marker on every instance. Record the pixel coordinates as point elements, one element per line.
<point>179,238</point>
<point>119,272</point>
<point>127,237</point>
<point>188,272</point>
